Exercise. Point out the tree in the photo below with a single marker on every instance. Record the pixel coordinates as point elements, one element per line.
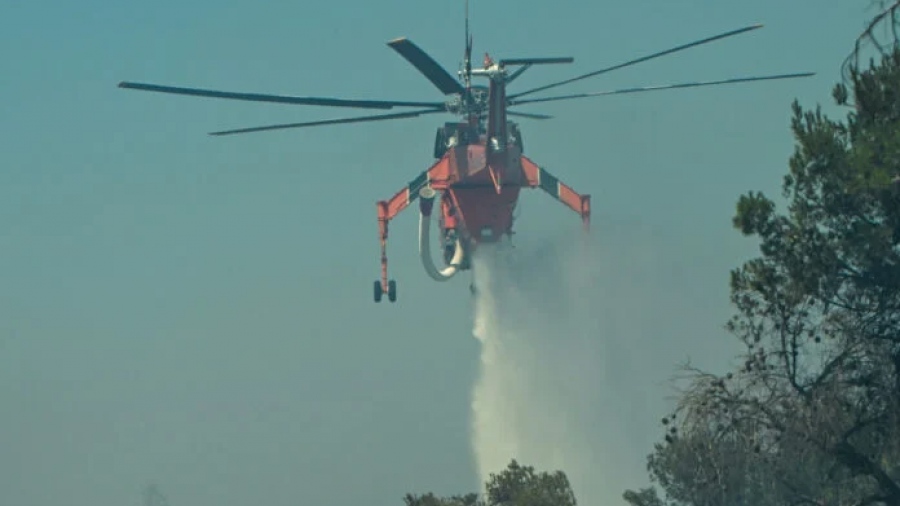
<point>517,485</point>
<point>429,499</point>
<point>882,33</point>
<point>813,415</point>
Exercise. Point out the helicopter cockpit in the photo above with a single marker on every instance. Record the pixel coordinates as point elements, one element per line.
<point>455,134</point>
<point>462,134</point>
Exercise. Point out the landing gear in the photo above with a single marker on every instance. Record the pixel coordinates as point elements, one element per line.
<point>383,234</point>
<point>391,291</point>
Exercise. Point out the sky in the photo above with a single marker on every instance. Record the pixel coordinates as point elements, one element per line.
<point>197,311</point>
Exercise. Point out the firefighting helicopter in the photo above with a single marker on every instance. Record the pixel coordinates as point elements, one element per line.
<point>480,167</point>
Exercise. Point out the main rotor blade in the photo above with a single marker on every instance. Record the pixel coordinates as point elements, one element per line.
<point>662,87</point>
<point>639,60</point>
<point>536,61</point>
<point>358,119</point>
<point>531,115</point>
<point>427,66</point>
<point>258,97</point>
<point>515,75</point>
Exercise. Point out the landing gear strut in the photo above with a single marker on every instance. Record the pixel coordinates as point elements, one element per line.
<point>391,291</point>
<point>384,284</point>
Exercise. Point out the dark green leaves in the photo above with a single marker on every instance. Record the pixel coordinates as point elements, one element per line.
<point>517,485</point>
<point>812,416</point>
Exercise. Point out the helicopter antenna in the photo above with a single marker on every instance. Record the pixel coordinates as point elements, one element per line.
<point>468,59</point>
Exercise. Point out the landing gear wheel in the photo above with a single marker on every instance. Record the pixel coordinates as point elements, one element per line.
<point>392,291</point>
<point>378,291</point>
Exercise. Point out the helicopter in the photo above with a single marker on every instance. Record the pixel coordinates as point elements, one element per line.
<point>480,165</point>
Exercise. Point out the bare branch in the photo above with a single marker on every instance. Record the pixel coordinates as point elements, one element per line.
<point>889,17</point>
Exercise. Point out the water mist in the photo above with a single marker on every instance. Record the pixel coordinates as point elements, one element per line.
<point>576,350</point>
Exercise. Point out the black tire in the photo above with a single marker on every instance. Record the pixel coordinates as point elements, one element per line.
<point>378,291</point>
<point>392,291</point>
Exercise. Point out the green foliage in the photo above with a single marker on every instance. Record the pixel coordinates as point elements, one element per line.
<point>643,497</point>
<point>517,485</point>
<point>429,499</point>
<point>813,414</point>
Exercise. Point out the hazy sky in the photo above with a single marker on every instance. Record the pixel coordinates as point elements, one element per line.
<point>197,311</point>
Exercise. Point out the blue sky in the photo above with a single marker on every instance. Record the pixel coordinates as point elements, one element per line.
<point>196,311</point>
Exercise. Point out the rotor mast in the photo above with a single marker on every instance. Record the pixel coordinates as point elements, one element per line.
<point>496,106</point>
<point>468,100</point>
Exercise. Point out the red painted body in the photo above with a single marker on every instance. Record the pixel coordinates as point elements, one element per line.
<point>479,179</point>
<point>480,168</point>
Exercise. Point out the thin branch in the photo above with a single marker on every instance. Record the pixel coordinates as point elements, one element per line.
<point>857,462</point>
<point>851,62</point>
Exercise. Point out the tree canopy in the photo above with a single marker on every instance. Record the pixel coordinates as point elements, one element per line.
<point>813,414</point>
<point>517,485</point>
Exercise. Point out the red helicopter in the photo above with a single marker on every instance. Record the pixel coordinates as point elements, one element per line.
<point>480,167</point>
